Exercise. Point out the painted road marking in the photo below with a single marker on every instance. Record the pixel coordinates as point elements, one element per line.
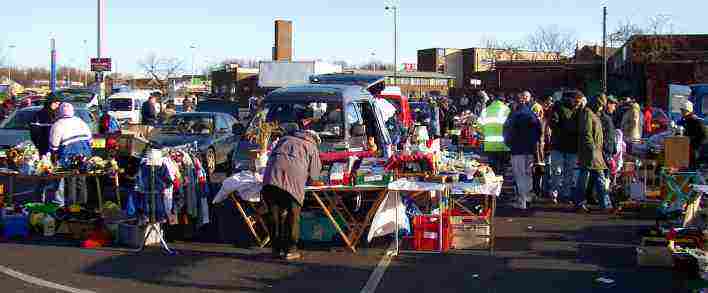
<point>39,282</point>
<point>378,273</point>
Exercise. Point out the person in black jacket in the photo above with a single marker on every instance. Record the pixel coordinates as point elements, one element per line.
<point>563,122</point>
<point>42,123</point>
<point>695,130</point>
<point>148,112</point>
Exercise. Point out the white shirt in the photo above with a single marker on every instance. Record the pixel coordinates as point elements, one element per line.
<point>68,130</point>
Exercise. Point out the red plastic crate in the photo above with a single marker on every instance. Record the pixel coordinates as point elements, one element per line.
<point>426,233</point>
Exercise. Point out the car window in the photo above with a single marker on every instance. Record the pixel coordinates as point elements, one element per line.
<point>189,124</point>
<point>19,120</point>
<point>221,123</point>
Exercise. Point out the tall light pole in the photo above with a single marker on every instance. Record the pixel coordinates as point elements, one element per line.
<point>99,49</point>
<point>194,49</point>
<point>84,73</point>
<point>604,49</point>
<point>9,63</point>
<point>53,66</point>
<point>394,8</point>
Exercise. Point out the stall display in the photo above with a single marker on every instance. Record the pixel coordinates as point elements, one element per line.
<point>431,232</point>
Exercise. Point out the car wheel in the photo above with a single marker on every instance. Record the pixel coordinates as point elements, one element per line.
<point>210,160</point>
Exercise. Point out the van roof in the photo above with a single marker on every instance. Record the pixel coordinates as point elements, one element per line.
<point>324,93</point>
<point>131,94</point>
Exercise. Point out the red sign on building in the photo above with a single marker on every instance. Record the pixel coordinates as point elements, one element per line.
<point>100,64</point>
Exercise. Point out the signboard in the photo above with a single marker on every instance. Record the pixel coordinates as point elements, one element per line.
<point>100,64</point>
<point>408,67</point>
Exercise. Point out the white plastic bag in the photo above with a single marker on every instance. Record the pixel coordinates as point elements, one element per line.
<point>384,222</point>
<point>246,183</point>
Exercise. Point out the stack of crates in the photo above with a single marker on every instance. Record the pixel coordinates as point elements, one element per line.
<point>426,233</point>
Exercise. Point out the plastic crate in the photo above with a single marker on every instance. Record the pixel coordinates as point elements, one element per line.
<point>15,226</point>
<point>316,227</point>
<point>426,230</point>
<point>471,235</point>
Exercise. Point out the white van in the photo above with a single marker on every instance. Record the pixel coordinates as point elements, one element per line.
<point>125,106</point>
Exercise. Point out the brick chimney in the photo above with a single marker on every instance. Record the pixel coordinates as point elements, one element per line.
<point>283,49</point>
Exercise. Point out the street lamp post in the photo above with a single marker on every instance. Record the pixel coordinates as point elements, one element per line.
<point>9,63</point>
<point>394,8</point>
<point>194,48</point>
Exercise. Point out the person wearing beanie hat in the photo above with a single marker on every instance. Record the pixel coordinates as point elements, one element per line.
<point>695,130</point>
<point>70,137</point>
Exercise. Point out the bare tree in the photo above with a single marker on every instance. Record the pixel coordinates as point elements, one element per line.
<point>552,39</point>
<point>342,63</point>
<point>657,41</point>
<point>242,62</point>
<point>624,31</point>
<point>161,68</point>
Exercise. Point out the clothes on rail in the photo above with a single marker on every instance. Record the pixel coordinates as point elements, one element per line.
<point>181,187</point>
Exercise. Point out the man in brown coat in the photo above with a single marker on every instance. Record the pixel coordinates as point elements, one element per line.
<point>293,161</point>
<point>590,156</point>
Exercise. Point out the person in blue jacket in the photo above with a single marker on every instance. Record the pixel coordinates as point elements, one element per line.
<point>522,132</point>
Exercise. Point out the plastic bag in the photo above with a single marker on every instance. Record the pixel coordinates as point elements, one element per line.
<point>384,222</point>
<point>246,183</point>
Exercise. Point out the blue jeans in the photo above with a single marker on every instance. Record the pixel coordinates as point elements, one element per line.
<point>599,182</point>
<point>562,174</point>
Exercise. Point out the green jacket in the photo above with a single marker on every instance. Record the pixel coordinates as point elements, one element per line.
<point>590,140</point>
<point>492,123</point>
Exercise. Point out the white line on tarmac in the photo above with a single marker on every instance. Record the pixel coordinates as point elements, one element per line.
<point>39,282</point>
<point>376,276</point>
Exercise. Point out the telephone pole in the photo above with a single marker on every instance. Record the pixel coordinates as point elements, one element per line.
<point>99,51</point>
<point>604,49</point>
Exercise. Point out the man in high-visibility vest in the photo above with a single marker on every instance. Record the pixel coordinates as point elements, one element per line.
<point>492,121</point>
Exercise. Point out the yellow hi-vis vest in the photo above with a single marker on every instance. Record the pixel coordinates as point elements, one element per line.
<point>492,122</point>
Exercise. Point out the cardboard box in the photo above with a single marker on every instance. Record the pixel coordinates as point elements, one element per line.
<point>677,152</point>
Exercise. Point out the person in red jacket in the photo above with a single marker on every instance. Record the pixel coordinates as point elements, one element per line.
<point>648,127</point>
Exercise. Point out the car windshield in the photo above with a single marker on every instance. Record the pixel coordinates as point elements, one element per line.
<point>21,119</point>
<point>327,119</point>
<point>189,124</point>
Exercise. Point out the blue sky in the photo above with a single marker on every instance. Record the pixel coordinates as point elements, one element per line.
<point>347,30</point>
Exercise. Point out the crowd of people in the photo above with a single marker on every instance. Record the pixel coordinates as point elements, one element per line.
<point>568,149</point>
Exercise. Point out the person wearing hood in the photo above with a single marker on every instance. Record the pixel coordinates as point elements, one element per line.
<point>631,123</point>
<point>563,122</point>
<point>695,130</point>
<point>41,124</point>
<point>293,161</point>
<point>522,133</point>
<point>590,156</point>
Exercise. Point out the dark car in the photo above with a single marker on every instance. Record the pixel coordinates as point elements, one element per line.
<point>213,133</point>
<point>16,129</point>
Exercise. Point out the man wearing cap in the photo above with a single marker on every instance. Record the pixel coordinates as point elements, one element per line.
<point>42,123</point>
<point>695,130</point>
